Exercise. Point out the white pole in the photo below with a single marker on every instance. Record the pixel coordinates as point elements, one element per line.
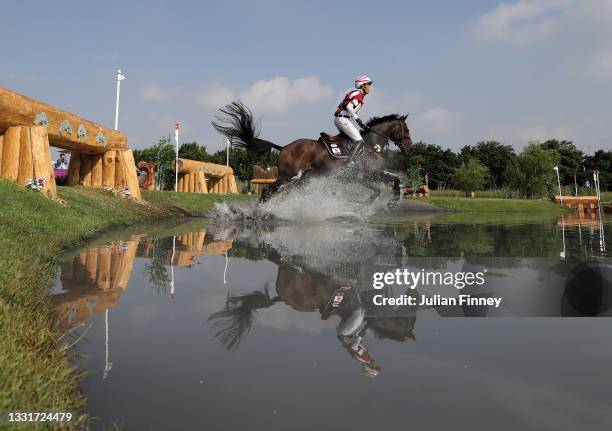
<point>576,182</point>
<point>120,77</point>
<point>172,267</point>
<point>556,168</point>
<point>225,270</point>
<point>107,364</point>
<point>176,138</point>
<point>227,151</point>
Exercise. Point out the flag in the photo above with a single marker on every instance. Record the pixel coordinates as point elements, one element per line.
<point>176,133</point>
<point>426,178</point>
<point>120,76</point>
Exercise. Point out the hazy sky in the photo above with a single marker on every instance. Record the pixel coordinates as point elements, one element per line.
<point>466,71</point>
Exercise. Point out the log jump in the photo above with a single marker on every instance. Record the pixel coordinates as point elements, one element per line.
<point>204,177</point>
<point>262,177</point>
<point>99,156</point>
<point>581,203</point>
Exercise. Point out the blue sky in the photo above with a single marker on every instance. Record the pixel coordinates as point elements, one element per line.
<point>513,71</point>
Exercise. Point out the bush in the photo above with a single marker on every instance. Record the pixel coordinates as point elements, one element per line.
<point>471,176</point>
<point>532,172</point>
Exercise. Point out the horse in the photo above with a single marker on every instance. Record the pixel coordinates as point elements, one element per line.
<point>304,157</point>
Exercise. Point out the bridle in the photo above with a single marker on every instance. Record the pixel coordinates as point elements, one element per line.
<point>387,138</point>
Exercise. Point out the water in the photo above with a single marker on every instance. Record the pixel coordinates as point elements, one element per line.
<point>277,358</point>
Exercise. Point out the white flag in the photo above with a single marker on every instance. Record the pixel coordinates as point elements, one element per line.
<point>120,76</point>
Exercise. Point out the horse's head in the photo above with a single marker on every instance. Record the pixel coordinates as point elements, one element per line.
<point>400,134</point>
<point>392,127</point>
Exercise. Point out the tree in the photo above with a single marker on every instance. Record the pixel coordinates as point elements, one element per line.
<point>532,171</point>
<point>602,162</point>
<point>470,176</point>
<point>193,151</point>
<point>163,154</point>
<point>439,164</point>
<point>570,160</point>
<point>495,156</point>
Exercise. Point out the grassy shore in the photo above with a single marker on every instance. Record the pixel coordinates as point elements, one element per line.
<point>35,373</point>
<point>486,205</point>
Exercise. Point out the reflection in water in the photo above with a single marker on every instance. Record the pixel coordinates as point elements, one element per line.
<point>299,296</point>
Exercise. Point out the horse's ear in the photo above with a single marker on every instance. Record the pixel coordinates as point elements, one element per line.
<point>404,117</point>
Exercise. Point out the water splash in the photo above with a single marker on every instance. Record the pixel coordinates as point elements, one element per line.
<point>318,199</point>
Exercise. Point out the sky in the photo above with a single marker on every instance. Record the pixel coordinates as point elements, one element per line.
<point>514,71</point>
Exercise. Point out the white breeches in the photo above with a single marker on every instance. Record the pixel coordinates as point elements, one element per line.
<point>346,126</point>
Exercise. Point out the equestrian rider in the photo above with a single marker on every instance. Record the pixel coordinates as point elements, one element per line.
<point>347,111</point>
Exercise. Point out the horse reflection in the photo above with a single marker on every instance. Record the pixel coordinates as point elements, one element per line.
<point>306,290</point>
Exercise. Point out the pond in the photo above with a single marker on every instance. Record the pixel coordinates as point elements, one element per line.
<point>228,326</point>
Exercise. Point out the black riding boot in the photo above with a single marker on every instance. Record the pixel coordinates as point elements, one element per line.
<point>355,151</point>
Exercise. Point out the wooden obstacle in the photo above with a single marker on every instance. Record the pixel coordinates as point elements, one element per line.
<point>421,191</point>
<point>261,177</point>
<point>581,219</point>
<point>580,203</point>
<point>188,247</point>
<point>94,281</point>
<point>99,155</point>
<point>204,177</point>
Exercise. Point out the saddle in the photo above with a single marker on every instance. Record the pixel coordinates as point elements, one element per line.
<point>338,146</point>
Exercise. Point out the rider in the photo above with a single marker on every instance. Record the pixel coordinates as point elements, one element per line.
<point>347,110</point>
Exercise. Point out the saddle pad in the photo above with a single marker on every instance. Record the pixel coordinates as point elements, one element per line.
<point>337,151</point>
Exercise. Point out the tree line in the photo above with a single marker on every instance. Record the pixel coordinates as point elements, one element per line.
<point>484,166</point>
<point>492,165</point>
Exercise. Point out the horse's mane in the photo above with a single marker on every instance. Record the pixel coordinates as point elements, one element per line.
<point>378,120</point>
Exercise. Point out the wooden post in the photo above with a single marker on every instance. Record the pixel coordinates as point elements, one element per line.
<point>85,174</point>
<point>127,263</point>
<point>10,153</point>
<point>108,169</point>
<point>180,185</point>
<point>91,263</point>
<point>26,168</point>
<point>115,265</point>
<point>74,168</point>
<point>199,240</point>
<point>96,170</point>
<point>119,175</point>
<point>104,268</point>
<point>187,182</point>
<point>41,159</point>
<point>129,172</point>
<point>201,181</point>
<point>232,185</point>
<point>192,182</point>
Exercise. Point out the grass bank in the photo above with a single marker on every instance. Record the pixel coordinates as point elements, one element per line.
<point>35,373</point>
<point>485,205</point>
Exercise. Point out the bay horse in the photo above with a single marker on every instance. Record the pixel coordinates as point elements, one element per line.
<point>305,157</point>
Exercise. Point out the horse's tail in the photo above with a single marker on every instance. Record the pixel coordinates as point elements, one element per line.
<point>240,128</point>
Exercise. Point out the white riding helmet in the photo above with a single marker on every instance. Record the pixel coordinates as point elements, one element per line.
<point>363,79</point>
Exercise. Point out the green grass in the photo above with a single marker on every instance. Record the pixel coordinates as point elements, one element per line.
<point>35,370</point>
<point>191,203</point>
<point>484,205</point>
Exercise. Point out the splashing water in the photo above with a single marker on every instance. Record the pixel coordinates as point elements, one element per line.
<point>318,199</point>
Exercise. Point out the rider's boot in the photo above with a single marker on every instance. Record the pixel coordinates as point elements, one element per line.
<point>356,149</point>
